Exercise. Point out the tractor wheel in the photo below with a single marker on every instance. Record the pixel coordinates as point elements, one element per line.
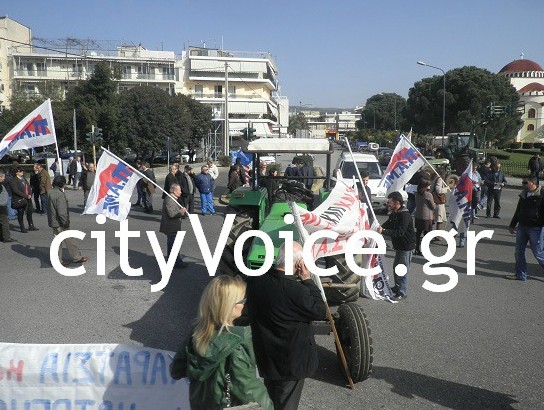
<point>354,334</point>
<point>336,296</point>
<point>244,221</point>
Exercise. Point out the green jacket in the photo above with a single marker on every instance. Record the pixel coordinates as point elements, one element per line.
<point>207,373</point>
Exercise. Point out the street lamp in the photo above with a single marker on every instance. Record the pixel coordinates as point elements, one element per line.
<point>443,100</point>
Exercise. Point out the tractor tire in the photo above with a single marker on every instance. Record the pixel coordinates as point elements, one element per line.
<point>354,334</point>
<point>244,221</point>
<point>336,296</point>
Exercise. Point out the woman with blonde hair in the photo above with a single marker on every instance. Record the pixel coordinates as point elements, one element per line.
<point>218,357</point>
<point>423,213</point>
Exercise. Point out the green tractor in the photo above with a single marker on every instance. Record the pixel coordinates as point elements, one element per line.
<point>258,208</point>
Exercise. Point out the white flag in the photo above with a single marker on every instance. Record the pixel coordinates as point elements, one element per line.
<point>37,129</point>
<point>112,188</point>
<point>405,162</point>
<point>461,200</point>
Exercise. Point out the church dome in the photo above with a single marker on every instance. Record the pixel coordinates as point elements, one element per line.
<point>518,66</point>
<point>531,87</point>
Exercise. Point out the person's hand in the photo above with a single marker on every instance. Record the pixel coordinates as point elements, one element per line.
<point>183,211</point>
<point>512,231</point>
<point>379,229</point>
<point>301,270</point>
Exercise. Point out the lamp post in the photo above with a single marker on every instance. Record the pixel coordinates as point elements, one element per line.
<point>443,99</point>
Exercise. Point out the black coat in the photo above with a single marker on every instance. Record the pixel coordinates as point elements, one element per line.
<point>400,226</point>
<point>18,188</point>
<point>281,310</point>
<point>168,181</point>
<point>530,210</point>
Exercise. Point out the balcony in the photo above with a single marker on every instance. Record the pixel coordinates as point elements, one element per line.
<point>148,77</point>
<point>222,96</point>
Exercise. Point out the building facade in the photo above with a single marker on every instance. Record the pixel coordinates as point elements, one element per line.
<point>528,79</point>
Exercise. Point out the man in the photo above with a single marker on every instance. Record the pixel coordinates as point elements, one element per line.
<point>204,183</point>
<point>495,181</point>
<point>213,171</point>
<point>529,219</point>
<point>400,227</point>
<point>35,187</point>
<point>138,166</point>
<point>291,171</point>
<point>22,200</point>
<point>147,187</point>
<point>170,178</point>
<point>72,169</point>
<point>78,171</point>
<point>366,199</point>
<point>535,165</point>
<point>281,309</point>
<point>5,235</point>
<point>484,170</point>
<point>88,177</point>
<point>186,181</point>
<point>171,222</point>
<point>59,220</point>
<point>307,170</point>
<point>45,186</point>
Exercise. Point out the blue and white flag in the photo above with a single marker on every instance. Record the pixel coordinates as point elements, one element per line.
<point>461,200</point>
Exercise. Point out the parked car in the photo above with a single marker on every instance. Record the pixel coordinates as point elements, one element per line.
<point>385,156</point>
<point>41,157</point>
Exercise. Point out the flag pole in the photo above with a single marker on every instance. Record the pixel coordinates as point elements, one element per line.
<point>144,176</point>
<point>56,140</point>
<point>427,162</point>
<point>360,179</point>
<point>303,235</point>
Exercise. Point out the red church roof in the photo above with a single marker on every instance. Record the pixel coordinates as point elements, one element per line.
<point>531,87</point>
<point>517,66</point>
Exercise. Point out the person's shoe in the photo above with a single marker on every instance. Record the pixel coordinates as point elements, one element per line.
<point>181,265</point>
<point>32,228</point>
<point>496,217</point>
<point>475,217</point>
<point>418,252</point>
<point>24,230</point>
<point>203,214</point>
<point>82,260</point>
<point>213,214</point>
<point>66,263</point>
<point>400,296</point>
<point>395,290</point>
<point>488,216</point>
<point>479,207</point>
<point>9,240</point>
<point>514,277</point>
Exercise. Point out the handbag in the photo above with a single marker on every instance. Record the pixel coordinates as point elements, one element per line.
<point>439,199</point>
<point>19,203</point>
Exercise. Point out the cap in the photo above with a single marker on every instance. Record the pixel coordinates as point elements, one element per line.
<point>188,166</point>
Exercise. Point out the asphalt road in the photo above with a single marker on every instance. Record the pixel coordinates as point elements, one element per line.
<point>476,346</point>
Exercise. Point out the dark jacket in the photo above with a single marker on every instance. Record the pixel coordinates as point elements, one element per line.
<point>400,227</point>
<point>87,179</point>
<point>183,182</point>
<point>168,181</point>
<point>534,164</point>
<point>494,177</point>
<point>308,171</point>
<point>204,183</point>
<point>281,310</point>
<point>57,209</point>
<point>234,180</point>
<point>19,188</point>
<point>35,182</point>
<point>171,217</point>
<point>292,171</point>
<point>530,210</point>
<point>45,182</point>
<point>206,373</point>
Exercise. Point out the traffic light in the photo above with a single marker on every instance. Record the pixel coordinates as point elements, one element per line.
<point>90,137</point>
<point>251,133</point>
<point>97,134</point>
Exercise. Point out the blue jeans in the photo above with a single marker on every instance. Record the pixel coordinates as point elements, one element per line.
<point>401,282</point>
<point>169,244</point>
<point>206,201</point>
<point>533,236</point>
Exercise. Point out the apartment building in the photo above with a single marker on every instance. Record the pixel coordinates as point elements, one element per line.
<point>329,125</point>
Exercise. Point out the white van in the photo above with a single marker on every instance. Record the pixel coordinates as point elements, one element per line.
<point>370,164</point>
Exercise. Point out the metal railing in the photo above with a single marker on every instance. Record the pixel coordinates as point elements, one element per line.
<point>515,168</point>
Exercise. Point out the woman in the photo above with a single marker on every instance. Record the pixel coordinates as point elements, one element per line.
<point>21,199</point>
<point>272,184</point>
<point>424,212</point>
<point>218,357</point>
<point>234,179</point>
<point>439,188</point>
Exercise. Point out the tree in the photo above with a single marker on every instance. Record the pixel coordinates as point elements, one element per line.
<point>297,122</point>
<point>469,93</point>
<point>381,110</point>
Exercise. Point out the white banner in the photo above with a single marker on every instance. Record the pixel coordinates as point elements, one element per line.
<point>37,129</point>
<point>88,377</point>
<point>404,163</point>
<point>341,212</point>
<point>112,188</point>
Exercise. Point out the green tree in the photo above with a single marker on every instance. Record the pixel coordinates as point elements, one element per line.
<point>201,117</point>
<point>297,122</point>
<point>383,111</point>
<point>469,93</point>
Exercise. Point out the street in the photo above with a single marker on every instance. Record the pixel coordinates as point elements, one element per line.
<point>476,346</point>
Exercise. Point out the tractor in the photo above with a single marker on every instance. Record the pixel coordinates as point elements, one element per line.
<point>258,208</point>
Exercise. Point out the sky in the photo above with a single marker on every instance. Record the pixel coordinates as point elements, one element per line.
<point>329,53</point>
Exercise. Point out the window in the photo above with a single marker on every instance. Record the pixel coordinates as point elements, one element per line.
<point>199,90</point>
<point>127,69</point>
<point>232,91</point>
<point>531,113</point>
<point>530,127</point>
<point>218,90</point>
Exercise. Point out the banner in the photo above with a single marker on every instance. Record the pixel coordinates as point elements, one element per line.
<point>112,188</point>
<point>89,376</point>
<point>37,129</point>
<point>341,212</point>
<point>461,200</point>
<point>405,162</point>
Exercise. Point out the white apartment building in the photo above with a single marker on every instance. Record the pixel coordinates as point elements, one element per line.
<point>199,72</point>
<point>329,125</point>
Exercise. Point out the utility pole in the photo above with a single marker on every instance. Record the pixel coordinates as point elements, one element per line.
<point>226,143</point>
<point>75,132</point>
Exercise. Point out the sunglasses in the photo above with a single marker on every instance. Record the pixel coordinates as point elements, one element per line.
<point>241,302</point>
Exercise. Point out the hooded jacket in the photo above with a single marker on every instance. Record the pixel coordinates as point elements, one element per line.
<point>530,209</point>
<point>232,350</point>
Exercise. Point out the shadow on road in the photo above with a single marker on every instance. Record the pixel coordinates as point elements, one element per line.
<point>442,392</point>
<point>34,252</point>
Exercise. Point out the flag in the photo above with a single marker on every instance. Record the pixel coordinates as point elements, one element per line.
<point>461,200</point>
<point>405,162</point>
<point>112,188</point>
<point>409,136</point>
<point>341,212</point>
<point>37,129</point>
